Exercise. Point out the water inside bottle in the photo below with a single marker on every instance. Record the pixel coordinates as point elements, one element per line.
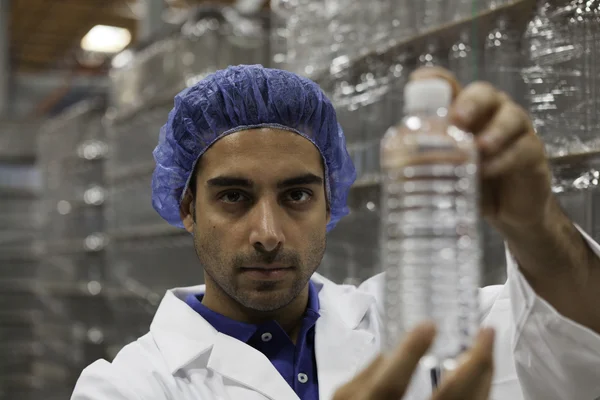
<point>430,240</point>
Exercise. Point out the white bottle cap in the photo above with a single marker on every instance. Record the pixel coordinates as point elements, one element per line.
<point>427,94</point>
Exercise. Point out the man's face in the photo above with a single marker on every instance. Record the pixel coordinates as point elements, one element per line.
<point>260,216</point>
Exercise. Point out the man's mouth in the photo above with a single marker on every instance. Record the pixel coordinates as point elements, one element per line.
<point>267,271</point>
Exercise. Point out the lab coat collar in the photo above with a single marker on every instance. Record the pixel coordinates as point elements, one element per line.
<point>179,332</point>
<point>182,336</point>
<point>349,304</point>
<point>244,331</point>
<point>340,347</point>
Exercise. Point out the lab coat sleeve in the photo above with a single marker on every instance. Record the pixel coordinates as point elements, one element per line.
<point>555,357</point>
<point>131,376</point>
<point>100,382</point>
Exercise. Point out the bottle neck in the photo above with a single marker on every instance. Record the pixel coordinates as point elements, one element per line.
<point>428,111</point>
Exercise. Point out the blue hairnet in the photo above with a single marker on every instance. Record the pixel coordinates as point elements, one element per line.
<point>240,98</point>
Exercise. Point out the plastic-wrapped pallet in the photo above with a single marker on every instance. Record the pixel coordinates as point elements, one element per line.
<point>73,282</point>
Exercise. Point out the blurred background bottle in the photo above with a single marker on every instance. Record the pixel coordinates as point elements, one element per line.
<point>502,57</point>
<point>463,59</point>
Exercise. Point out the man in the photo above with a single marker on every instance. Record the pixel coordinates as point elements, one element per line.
<point>253,164</point>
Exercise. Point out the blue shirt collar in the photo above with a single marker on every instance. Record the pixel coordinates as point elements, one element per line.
<point>244,331</point>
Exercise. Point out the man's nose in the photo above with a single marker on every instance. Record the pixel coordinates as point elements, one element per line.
<point>266,233</point>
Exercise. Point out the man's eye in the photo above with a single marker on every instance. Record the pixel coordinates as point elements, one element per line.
<point>233,197</point>
<point>299,196</point>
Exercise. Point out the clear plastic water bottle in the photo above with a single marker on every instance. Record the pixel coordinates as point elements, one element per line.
<point>430,239</point>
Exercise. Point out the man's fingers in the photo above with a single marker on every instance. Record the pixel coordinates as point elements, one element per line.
<point>472,106</point>
<point>388,376</point>
<point>472,379</point>
<point>524,151</point>
<point>371,369</point>
<point>394,376</point>
<point>475,105</point>
<point>506,125</point>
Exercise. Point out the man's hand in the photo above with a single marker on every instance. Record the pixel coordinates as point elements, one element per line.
<point>516,178</point>
<point>388,378</point>
<point>517,200</point>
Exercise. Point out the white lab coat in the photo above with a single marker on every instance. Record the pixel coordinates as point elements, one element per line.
<point>539,354</point>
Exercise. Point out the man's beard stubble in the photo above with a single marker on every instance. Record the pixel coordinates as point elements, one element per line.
<point>222,270</point>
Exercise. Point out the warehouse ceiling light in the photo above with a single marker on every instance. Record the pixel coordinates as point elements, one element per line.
<point>106,39</point>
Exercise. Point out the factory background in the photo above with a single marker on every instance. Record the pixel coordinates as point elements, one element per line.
<point>85,86</point>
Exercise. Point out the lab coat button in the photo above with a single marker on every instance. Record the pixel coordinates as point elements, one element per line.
<point>302,378</point>
<point>266,336</point>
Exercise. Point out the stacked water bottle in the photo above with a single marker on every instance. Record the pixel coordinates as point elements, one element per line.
<point>313,35</point>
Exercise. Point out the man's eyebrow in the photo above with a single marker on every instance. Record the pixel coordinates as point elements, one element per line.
<point>228,181</point>
<point>306,179</point>
<point>236,181</point>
